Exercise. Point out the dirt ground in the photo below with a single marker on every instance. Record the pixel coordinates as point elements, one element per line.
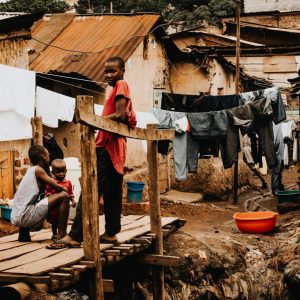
<point>226,264</point>
<point>211,224</point>
<point>216,215</point>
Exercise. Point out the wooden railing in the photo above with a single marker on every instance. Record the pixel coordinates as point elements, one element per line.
<point>90,207</point>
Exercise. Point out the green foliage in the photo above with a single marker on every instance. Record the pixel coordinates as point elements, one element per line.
<point>222,8</point>
<point>191,11</point>
<point>31,6</point>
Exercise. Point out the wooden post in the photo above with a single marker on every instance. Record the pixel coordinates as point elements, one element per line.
<point>37,130</point>
<point>237,90</point>
<point>155,214</point>
<point>90,205</point>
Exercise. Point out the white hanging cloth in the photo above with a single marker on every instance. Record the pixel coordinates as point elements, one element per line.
<point>53,106</point>
<point>17,97</point>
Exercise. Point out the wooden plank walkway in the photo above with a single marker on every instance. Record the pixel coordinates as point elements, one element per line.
<point>33,259</point>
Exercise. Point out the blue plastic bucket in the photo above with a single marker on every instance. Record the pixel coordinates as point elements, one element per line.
<point>6,213</point>
<point>134,191</point>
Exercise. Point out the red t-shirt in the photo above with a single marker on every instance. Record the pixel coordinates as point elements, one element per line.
<point>115,144</point>
<point>53,213</point>
<point>65,183</point>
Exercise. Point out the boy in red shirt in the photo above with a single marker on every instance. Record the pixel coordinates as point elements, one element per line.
<point>111,155</point>
<point>59,171</point>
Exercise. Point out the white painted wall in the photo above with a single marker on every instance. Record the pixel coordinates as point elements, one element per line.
<point>271,5</point>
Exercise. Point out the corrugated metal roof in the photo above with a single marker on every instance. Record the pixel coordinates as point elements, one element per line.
<point>92,34</point>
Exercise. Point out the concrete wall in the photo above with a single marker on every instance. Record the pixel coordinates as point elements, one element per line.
<point>270,5</point>
<point>276,69</point>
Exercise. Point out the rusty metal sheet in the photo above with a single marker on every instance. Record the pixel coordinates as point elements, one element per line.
<point>109,35</point>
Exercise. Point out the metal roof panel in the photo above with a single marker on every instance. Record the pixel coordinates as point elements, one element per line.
<point>90,41</point>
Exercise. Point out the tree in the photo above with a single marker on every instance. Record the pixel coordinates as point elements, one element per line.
<point>31,6</point>
<point>191,11</point>
<point>103,6</point>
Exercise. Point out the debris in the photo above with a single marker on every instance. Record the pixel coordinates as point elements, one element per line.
<point>71,295</point>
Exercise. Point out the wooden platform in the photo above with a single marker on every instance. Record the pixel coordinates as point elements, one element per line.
<point>32,262</point>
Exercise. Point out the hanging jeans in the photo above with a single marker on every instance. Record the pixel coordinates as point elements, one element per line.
<point>204,127</point>
<point>168,119</point>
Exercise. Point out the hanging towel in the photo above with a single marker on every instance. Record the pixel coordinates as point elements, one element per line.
<point>20,98</point>
<point>66,108</point>
<point>47,106</point>
<point>16,103</point>
<point>14,126</point>
<point>53,106</point>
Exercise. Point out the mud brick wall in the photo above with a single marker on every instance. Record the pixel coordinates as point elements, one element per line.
<point>22,163</point>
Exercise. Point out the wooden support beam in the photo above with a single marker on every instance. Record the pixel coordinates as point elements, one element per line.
<point>79,268</point>
<point>90,206</point>
<point>60,276</point>
<point>112,252</point>
<point>237,90</point>
<point>37,130</point>
<point>141,240</point>
<point>155,215</point>
<point>160,260</point>
<point>85,115</point>
<point>67,270</point>
<point>7,278</point>
<point>108,286</point>
<point>89,264</point>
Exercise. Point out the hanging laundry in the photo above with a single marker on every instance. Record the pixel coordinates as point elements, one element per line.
<point>47,106</point>
<point>66,108</point>
<point>167,119</point>
<point>16,103</point>
<point>276,179</point>
<point>20,98</point>
<point>252,117</point>
<point>98,109</point>
<point>14,126</point>
<point>295,149</point>
<point>143,119</point>
<point>288,137</point>
<point>214,103</point>
<point>53,106</point>
<point>208,125</point>
<point>204,128</point>
<point>199,103</point>
<point>274,95</point>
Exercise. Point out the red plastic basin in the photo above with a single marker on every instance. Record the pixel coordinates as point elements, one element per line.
<point>256,222</point>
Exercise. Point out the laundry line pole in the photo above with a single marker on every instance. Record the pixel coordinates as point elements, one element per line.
<point>237,91</point>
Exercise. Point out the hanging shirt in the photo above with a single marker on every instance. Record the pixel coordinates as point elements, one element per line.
<point>115,144</point>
